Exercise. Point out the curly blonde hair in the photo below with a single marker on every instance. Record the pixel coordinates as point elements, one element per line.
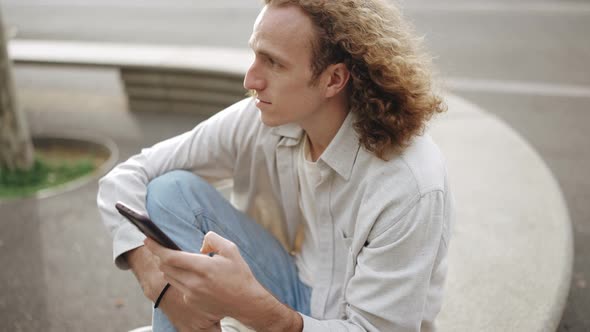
<point>390,87</point>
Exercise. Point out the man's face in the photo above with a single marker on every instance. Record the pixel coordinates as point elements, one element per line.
<point>281,72</point>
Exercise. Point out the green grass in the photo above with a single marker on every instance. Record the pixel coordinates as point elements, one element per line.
<point>43,175</point>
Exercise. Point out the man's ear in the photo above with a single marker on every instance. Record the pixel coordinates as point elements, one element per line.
<point>338,76</point>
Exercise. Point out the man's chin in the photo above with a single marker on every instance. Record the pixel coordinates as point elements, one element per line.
<point>270,121</point>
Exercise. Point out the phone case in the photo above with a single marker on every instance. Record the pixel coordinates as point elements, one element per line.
<point>146,226</point>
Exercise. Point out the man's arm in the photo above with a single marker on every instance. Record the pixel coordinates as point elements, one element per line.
<point>210,149</point>
<point>267,314</point>
<point>271,315</point>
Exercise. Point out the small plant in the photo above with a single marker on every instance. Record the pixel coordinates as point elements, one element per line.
<point>43,174</point>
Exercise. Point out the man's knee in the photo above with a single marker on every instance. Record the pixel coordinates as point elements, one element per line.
<point>169,189</point>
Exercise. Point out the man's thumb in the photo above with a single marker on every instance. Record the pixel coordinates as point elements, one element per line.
<point>214,243</point>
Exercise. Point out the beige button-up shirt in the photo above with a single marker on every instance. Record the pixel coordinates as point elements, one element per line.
<point>384,225</point>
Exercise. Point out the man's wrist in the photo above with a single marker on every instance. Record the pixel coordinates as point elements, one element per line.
<point>281,318</point>
<point>146,271</point>
<point>296,321</point>
<point>162,293</point>
<point>268,315</point>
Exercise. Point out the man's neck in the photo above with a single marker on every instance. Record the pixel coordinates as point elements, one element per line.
<point>323,127</point>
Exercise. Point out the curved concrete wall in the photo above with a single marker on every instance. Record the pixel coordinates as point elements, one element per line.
<point>511,252</point>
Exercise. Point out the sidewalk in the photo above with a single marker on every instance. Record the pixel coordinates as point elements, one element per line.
<point>57,270</point>
<point>510,257</point>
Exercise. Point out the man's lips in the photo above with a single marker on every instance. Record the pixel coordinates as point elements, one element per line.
<point>264,101</point>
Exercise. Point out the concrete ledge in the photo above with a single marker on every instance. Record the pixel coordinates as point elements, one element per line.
<point>510,258</point>
<point>156,78</point>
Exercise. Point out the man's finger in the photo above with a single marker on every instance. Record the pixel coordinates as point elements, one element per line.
<point>179,259</point>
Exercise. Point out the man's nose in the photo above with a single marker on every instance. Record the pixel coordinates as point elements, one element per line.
<point>253,80</point>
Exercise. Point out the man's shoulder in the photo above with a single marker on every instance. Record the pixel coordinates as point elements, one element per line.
<point>426,163</point>
<point>389,188</point>
<point>419,169</point>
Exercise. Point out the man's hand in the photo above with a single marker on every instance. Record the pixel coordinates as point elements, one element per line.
<point>223,285</point>
<point>144,266</point>
<point>185,318</point>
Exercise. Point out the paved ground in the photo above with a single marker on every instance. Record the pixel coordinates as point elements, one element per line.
<point>75,240</point>
<point>482,48</point>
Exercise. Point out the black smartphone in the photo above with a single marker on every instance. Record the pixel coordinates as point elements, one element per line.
<point>146,226</point>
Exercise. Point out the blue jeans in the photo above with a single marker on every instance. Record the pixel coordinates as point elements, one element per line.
<point>186,207</point>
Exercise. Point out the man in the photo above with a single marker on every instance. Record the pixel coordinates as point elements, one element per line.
<point>328,157</point>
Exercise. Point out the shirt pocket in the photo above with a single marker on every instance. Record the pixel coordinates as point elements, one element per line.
<point>345,239</point>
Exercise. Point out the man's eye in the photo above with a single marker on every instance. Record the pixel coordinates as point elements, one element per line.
<point>271,61</point>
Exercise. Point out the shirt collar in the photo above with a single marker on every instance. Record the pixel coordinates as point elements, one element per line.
<point>291,131</point>
<point>340,154</point>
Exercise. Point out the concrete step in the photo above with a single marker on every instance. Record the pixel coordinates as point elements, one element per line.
<point>158,105</point>
<point>173,79</point>
<point>183,95</point>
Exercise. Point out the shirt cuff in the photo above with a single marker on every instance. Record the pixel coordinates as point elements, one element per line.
<point>127,237</point>
<point>311,324</point>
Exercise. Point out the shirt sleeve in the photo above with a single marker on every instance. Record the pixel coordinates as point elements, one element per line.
<point>210,150</point>
<point>390,289</point>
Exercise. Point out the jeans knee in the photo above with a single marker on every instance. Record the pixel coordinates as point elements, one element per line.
<point>164,189</point>
<point>171,188</point>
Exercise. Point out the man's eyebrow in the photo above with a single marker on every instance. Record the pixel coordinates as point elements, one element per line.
<point>267,53</point>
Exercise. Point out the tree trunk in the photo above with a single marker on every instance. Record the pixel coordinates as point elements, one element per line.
<point>16,149</point>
